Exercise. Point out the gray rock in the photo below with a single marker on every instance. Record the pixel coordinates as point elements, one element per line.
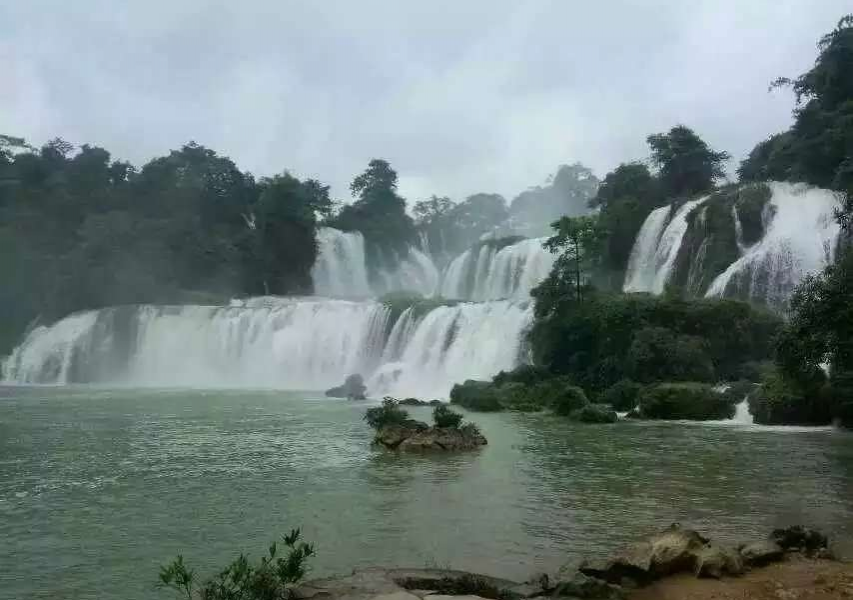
<point>756,554</point>
<point>418,437</point>
<point>670,551</point>
<point>583,586</point>
<point>716,561</point>
<point>799,538</point>
<point>353,389</point>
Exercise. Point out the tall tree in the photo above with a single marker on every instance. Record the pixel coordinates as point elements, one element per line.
<point>379,213</point>
<point>686,164</point>
<point>577,243</point>
<point>625,198</point>
<point>818,148</point>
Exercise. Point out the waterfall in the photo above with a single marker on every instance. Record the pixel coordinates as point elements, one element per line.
<point>640,274</point>
<point>287,343</point>
<point>488,273</point>
<point>800,238</point>
<point>742,414</point>
<point>654,261</point>
<point>340,270</point>
<point>415,273</point>
<point>454,343</point>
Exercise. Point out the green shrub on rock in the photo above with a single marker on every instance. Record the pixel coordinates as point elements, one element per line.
<point>444,417</point>
<point>389,413</point>
<point>571,398</point>
<point>526,374</point>
<point>782,401</point>
<point>594,413</point>
<point>692,401</point>
<point>622,395</point>
<point>658,354</point>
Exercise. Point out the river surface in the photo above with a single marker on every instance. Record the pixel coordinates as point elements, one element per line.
<point>99,487</point>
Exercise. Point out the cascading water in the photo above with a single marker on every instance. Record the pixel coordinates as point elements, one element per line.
<point>292,343</point>
<point>415,273</point>
<point>800,238</point>
<point>641,263</point>
<point>487,273</point>
<point>340,270</point>
<point>656,248</point>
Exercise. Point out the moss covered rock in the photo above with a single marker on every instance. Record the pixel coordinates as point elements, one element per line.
<point>594,413</point>
<point>691,401</point>
<point>622,395</point>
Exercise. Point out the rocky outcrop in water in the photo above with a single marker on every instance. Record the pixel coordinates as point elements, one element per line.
<point>415,436</point>
<point>352,389</point>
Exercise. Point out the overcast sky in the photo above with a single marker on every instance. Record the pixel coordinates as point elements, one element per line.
<point>460,96</point>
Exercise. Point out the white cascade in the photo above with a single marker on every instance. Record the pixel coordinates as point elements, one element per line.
<point>340,270</point>
<point>800,238</point>
<point>454,343</point>
<point>656,260</point>
<point>742,414</point>
<point>486,273</point>
<point>640,274</point>
<point>284,343</point>
<point>47,353</point>
<point>415,273</point>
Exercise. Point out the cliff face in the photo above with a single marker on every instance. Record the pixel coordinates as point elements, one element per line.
<point>717,232</point>
<point>753,242</point>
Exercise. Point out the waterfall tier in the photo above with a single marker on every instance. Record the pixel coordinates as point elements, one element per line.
<point>798,236</point>
<point>487,272</point>
<point>341,270</point>
<point>654,253</point>
<point>292,343</point>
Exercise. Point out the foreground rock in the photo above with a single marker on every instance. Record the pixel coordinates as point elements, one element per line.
<point>680,550</point>
<point>352,389</point>
<point>414,436</point>
<point>406,584</point>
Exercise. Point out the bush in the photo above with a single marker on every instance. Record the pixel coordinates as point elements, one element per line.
<point>622,395</point>
<point>693,401</point>
<point>782,401</point>
<point>526,374</point>
<point>476,395</point>
<point>570,399</point>
<point>444,417</point>
<point>658,354</point>
<point>271,579</point>
<point>470,430</point>
<point>590,342</point>
<point>389,413</point>
<point>594,413</point>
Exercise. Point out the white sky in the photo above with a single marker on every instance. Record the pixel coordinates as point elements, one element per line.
<point>460,96</point>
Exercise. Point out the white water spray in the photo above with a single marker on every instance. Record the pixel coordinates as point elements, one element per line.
<point>485,273</point>
<point>800,238</point>
<point>340,270</point>
<point>654,261</point>
<point>286,343</point>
